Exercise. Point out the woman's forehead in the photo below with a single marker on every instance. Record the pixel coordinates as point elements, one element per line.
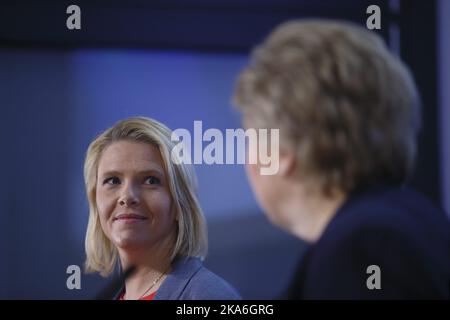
<point>126,155</point>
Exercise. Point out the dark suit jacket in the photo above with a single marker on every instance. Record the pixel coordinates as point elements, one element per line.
<point>398,230</point>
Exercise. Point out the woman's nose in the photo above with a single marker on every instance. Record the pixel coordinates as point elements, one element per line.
<point>129,197</point>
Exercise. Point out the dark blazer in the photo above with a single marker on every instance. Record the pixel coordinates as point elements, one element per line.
<point>190,280</point>
<point>396,229</point>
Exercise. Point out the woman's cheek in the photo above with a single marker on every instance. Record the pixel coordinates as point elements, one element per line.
<point>104,209</point>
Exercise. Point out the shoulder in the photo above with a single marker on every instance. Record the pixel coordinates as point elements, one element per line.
<point>207,285</point>
<point>190,280</point>
<point>397,211</point>
<point>397,230</point>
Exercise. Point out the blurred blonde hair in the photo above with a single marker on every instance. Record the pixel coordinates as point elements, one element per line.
<point>346,106</point>
<point>101,254</point>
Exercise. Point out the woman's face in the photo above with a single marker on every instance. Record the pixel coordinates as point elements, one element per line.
<point>133,198</point>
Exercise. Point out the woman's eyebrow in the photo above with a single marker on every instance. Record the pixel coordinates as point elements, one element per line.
<point>150,170</point>
<point>110,173</point>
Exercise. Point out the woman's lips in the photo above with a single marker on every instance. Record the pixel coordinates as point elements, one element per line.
<point>129,217</point>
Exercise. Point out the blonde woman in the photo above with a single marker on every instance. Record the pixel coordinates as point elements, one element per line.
<point>144,213</point>
<point>348,114</point>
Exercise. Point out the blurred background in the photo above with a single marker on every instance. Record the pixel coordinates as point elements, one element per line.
<point>175,61</point>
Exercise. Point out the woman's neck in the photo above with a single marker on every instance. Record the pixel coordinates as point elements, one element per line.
<point>152,267</point>
<point>308,212</point>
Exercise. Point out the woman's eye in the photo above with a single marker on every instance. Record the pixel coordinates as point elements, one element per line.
<point>152,180</point>
<point>111,181</point>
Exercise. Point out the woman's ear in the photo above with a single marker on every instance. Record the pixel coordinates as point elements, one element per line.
<point>288,163</point>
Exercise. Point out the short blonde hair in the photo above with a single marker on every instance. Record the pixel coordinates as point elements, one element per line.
<point>101,254</point>
<point>342,101</point>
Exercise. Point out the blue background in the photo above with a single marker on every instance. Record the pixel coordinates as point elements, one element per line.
<point>57,95</point>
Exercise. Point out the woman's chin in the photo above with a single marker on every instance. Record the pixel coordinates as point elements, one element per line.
<point>128,242</point>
